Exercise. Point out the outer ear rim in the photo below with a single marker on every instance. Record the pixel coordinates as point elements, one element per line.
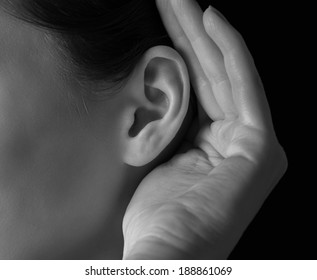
<point>135,154</point>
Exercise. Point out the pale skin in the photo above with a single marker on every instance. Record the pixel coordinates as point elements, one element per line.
<point>69,166</point>
<point>198,204</point>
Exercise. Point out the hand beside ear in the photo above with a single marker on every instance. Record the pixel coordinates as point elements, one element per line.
<point>199,203</point>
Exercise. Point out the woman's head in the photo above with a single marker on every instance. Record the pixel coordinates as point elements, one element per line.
<point>89,100</point>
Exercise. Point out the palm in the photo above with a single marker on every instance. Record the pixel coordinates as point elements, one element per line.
<point>168,205</point>
<point>203,199</point>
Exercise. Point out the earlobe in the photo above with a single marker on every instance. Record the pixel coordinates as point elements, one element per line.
<point>160,85</point>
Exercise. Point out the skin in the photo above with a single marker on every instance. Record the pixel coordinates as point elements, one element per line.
<point>69,166</point>
<point>54,158</point>
<point>198,204</point>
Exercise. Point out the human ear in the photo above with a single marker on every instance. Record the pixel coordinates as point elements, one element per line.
<point>159,92</point>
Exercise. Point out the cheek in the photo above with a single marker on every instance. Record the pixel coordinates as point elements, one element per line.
<point>58,195</point>
<point>66,198</point>
<point>28,113</point>
<point>58,182</point>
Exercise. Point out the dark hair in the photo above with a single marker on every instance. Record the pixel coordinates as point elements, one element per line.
<point>103,38</point>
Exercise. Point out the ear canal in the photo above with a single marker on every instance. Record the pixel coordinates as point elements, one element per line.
<point>142,117</point>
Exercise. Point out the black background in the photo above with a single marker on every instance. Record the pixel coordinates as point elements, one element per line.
<point>284,227</point>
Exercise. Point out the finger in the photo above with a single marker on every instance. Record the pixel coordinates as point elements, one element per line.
<point>247,89</point>
<point>198,78</point>
<point>189,16</point>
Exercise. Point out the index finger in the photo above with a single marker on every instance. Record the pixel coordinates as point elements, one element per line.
<point>198,78</point>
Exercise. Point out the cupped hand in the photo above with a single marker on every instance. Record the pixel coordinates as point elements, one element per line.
<point>198,204</point>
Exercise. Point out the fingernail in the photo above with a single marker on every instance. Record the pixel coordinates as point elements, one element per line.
<point>209,15</point>
<point>211,10</point>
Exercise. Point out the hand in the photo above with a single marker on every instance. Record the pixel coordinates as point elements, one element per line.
<point>198,204</point>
